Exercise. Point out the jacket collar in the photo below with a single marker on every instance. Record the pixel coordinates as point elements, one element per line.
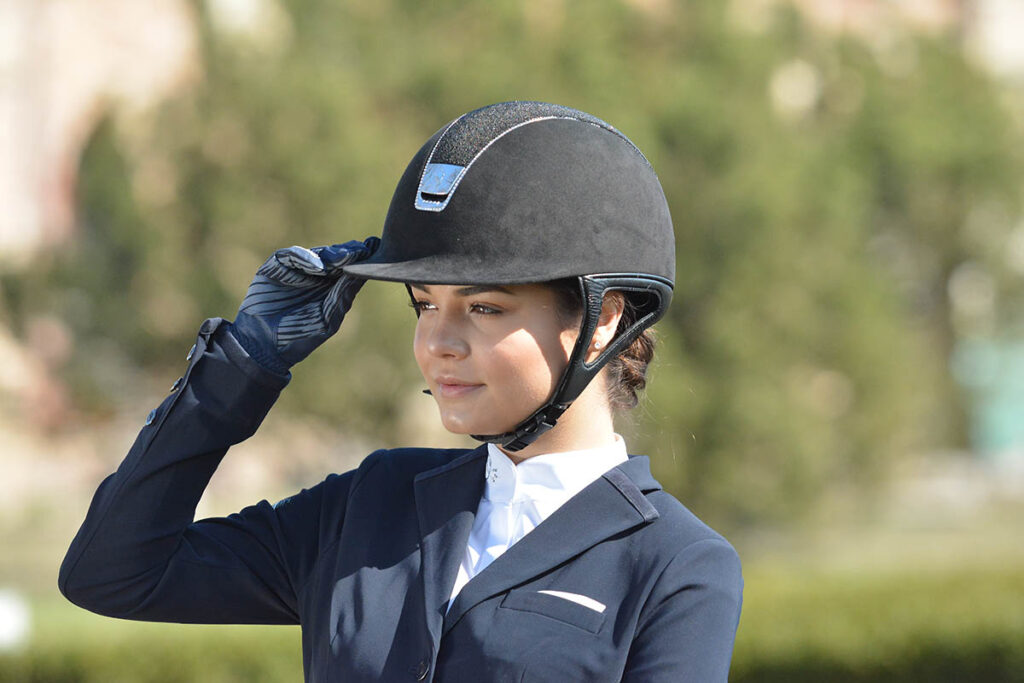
<point>447,498</point>
<point>446,502</point>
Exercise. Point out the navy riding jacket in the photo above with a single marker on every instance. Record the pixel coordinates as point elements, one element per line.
<point>365,561</point>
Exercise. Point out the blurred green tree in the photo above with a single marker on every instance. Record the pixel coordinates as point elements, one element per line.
<point>819,185</point>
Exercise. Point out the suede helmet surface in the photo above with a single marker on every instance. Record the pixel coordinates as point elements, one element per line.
<point>523,192</point>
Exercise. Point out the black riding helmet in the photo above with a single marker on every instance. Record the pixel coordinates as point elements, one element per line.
<point>530,192</point>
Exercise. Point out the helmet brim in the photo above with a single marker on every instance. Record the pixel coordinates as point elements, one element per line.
<point>454,270</point>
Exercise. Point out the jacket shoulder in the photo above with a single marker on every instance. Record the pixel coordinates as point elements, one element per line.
<point>678,532</point>
<point>679,522</point>
<point>674,526</point>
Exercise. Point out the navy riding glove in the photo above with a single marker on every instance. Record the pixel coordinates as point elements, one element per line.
<point>297,301</point>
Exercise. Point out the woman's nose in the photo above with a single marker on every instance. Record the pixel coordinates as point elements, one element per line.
<point>445,338</point>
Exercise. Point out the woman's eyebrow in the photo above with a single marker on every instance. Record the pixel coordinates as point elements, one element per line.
<point>468,290</point>
<point>480,289</point>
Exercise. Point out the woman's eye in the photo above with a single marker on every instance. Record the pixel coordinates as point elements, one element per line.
<point>420,306</point>
<point>484,309</point>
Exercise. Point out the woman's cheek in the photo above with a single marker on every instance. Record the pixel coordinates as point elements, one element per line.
<point>525,384</point>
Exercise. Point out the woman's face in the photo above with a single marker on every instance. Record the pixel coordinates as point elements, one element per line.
<point>490,355</point>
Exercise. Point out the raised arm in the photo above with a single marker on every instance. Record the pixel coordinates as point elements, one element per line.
<point>139,555</point>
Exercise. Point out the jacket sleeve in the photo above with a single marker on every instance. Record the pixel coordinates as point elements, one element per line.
<point>687,630</point>
<point>139,555</point>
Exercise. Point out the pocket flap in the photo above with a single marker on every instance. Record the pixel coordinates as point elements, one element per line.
<point>554,607</point>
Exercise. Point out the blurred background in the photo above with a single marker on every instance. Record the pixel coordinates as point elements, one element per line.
<point>839,387</point>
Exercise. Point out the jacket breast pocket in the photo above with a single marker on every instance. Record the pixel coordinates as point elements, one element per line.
<point>554,607</point>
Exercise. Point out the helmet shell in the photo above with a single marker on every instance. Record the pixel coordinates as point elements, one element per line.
<point>523,192</point>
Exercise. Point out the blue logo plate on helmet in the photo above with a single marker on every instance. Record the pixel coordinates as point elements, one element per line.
<point>437,186</point>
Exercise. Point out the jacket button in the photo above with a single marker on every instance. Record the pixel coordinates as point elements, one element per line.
<point>150,417</point>
<point>422,669</point>
<point>191,352</point>
<point>177,383</point>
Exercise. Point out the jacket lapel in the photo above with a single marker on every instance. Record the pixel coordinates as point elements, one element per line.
<point>446,502</point>
<point>610,505</point>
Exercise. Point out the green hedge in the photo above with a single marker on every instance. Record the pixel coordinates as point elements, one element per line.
<point>839,627</point>
<point>89,651</point>
<point>892,626</point>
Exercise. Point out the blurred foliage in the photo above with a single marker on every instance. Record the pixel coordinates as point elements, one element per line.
<point>933,624</point>
<point>824,189</point>
<point>808,627</point>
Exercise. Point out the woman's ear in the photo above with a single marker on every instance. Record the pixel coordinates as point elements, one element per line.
<point>612,307</point>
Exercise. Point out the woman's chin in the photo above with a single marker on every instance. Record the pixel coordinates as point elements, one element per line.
<point>459,424</point>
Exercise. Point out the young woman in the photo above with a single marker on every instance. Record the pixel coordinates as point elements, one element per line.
<point>536,245</point>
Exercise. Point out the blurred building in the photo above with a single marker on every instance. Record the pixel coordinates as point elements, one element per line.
<point>63,63</point>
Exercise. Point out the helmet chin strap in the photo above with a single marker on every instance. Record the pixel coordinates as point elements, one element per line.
<point>579,372</point>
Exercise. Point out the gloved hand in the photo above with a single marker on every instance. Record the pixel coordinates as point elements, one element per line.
<point>297,301</point>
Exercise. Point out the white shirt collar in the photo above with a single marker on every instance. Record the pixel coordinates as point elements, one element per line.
<point>549,477</point>
<point>519,497</point>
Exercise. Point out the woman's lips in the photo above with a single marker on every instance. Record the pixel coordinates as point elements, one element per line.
<point>447,388</point>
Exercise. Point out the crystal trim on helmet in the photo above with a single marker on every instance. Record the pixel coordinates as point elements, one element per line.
<point>470,135</point>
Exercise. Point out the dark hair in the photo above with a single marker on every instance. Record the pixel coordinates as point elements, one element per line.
<point>627,372</point>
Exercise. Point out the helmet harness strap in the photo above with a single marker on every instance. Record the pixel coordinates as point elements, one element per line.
<point>579,372</point>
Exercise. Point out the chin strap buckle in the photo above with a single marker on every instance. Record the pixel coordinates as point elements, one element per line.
<point>529,430</point>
